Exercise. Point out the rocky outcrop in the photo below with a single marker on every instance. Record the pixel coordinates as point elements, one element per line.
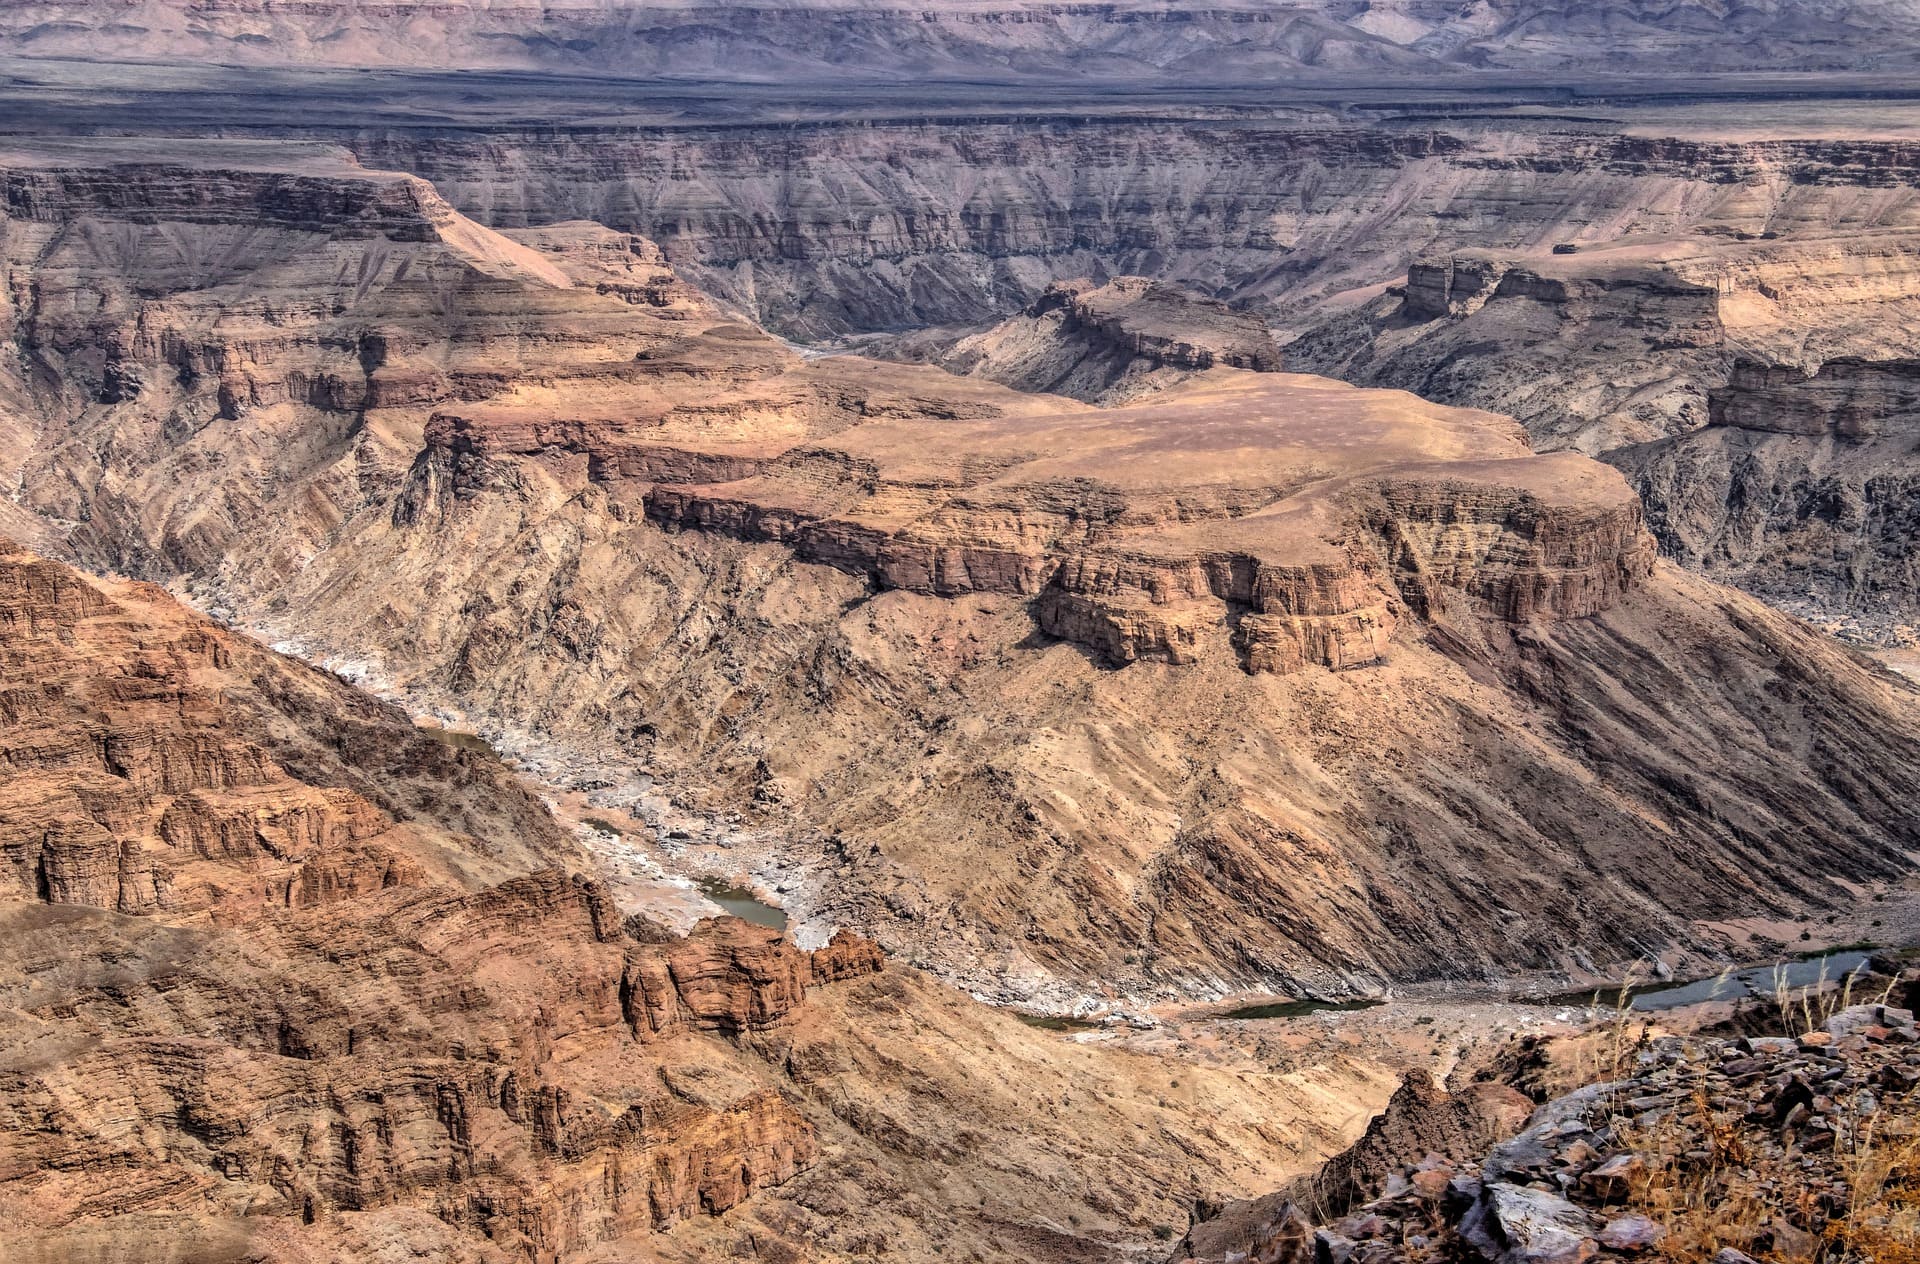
<point>936,226</point>
<point>1421,1118</point>
<point>1161,323</point>
<point>147,767</point>
<point>1099,343</point>
<point>1757,393</point>
<point>1718,1148</point>
<point>1321,543</point>
<point>845,956</point>
<point>1849,398</point>
<point>338,1031</point>
<point>1630,341</point>
<point>1799,490</point>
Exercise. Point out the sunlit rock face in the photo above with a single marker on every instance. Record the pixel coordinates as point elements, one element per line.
<point>1260,669</point>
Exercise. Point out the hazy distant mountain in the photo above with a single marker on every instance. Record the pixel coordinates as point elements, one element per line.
<point>1132,39</point>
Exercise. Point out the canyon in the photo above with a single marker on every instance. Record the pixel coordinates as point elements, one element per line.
<point>1211,563</point>
<point>1706,231</point>
<point>1228,679</point>
<point>285,977</point>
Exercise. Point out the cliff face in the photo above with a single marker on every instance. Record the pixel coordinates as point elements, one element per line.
<point>892,223</point>
<point>1262,678</point>
<point>1800,488</point>
<point>1098,343</point>
<point>284,978</point>
<point>155,763</point>
<point>1758,394</point>
<point>1151,531</point>
<point>1626,342</point>
<point>320,1008</point>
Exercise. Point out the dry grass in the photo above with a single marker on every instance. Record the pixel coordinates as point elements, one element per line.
<point>1807,1009</point>
<point>1883,1173</point>
<point>1713,1181</point>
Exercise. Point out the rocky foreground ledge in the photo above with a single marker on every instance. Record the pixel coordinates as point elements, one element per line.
<point>1762,1147</point>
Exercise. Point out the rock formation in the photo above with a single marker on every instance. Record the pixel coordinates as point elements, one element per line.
<point>1625,342</point>
<point>1799,489</point>
<point>320,1009</point>
<point>1757,393</point>
<point>1421,1119</point>
<point>285,978</point>
<point>902,222</point>
<point>1388,668</point>
<point>1318,513</point>
<point>1781,1146</point>
<point>155,763</point>
<point>1099,343</point>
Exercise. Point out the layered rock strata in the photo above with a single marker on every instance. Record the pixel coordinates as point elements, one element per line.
<point>1309,514</point>
<point>1098,343</point>
<point>282,977</point>
<point>1624,342</point>
<point>903,222</point>
<point>1033,691</point>
<point>157,764</point>
<point>321,1008</point>
<point>1756,393</point>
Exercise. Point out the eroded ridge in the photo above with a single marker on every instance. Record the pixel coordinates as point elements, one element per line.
<point>1299,520</point>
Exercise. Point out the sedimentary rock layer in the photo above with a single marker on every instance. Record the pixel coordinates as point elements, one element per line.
<point>1759,394</point>
<point>328,1022</point>
<point>1099,343</point>
<point>1263,678</point>
<point>1307,514</point>
<point>891,223</point>
<point>282,977</point>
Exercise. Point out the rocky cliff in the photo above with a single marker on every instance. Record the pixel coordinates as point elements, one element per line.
<point>1799,489</point>
<point>285,978</point>
<point>312,1014</point>
<point>1757,393</point>
<point>1098,343</point>
<point>899,221</point>
<point>157,764</point>
<point>1263,678</point>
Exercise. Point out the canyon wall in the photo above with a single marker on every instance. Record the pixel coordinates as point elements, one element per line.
<point>830,227</point>
<point>1758,393</point>
<point>1100,343</point>
<point>283,977</point>
<point>1261,678</point>
<point>311,1013</point>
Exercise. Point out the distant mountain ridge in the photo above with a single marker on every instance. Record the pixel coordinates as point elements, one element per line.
<point>1224,41</point>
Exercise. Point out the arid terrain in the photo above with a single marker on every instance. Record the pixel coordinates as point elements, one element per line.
<point>1199,578</point>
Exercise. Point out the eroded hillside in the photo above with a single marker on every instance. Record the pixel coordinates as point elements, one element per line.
<point>1756,392</point>
<point>1262,678</point>
<point>285,978</point>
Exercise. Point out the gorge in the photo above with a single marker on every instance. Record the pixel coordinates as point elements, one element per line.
<point>1215,565</point>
